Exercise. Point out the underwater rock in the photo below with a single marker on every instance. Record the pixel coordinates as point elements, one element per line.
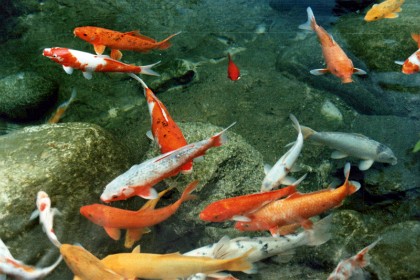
<point>177,72</point>
<point>25,96</point>
<point>72,162</point>
<point>330,111</point>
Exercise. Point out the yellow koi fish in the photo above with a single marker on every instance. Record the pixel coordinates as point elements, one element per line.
<point>386,9</point>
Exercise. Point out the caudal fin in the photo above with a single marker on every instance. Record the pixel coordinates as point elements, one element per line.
<point>352,186</point>
<point>310,24</point>
<point>320,233</point>
<point>220,138</point>
<point>307,132</point>
<point>164,44</point>
<point>186,195</point>
<point>147,69</point>
<point>240,263</point>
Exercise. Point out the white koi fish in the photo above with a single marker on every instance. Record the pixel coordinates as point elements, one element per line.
<point>89,63</point>
<point>140,178</point>
<point>352,144</point>
<point>278,174</point>
<point>46,216</point>
<point>265,247</point>
<point>352,267</point>
<point>15,268</point>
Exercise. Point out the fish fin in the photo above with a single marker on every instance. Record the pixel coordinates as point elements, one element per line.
<point>358,71</point>
<point>267,168</point>
<point>74,278</point>
<point>164,44</point>
<point>220,138</point>
<point>320,233</point>
<point>147,69</point>
<point>240,218</point>
<point>307,132</point>
<point>149,193</point>
<point>116,54</point>
<point>391,15</point>
<point>186,195</point>
<point>298,181</point>
<point>221,249</point>
<point>307,24</point>
<point>338,155</point>
<point>187,168</point>
<point>241,263</point>
<point>284,257</point>
<point>399,9</point>
<point>149,135</point>
<point>217,275</point>
<point>114,233</point>
<point>68,69</point>
<point>34,215</point>
<point>354,186</point>
<point>288,180</point>
<point>136,33</point>
<point>295,168</point>
<point>307,224</point>
<point>99,49</point>
<point>133,235</point>
<point>138,79</point>
<point>151,204</point>
<point>399,62</point>
<point>87,75</point>
<point>136,250</point>
<point>318,72</point>
<point>365,164</point>
<point>199,159</point>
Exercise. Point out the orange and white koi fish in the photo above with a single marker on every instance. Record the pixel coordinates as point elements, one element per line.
<point>140,179</point>
<point>386,9</point>
<point>298,208</point>
<point>233,70</point>
<point>412,64</point>
<point>86,266</point>
<point>352,267</point>
<point>114,219</point>
<point>336,59</point>
<point>171,266</point>
<point>62,108</point>
<point>17,269</point>
<point>236,208</point>
<point>277,175</point>
<point>89,63</point>
<point>46,216</point>
<point>165,131</point>
<point>101,38</point>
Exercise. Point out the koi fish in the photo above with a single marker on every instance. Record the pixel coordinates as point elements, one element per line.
<point>386,9</point>
<point>46,216</point>
<point>101,38</point>
<point>352,144</point>
<point>89,63</point>
<point>62,108</point>
<point>155,266</point>
<point>298,208</point>
<point>233,70</point>
<point>140,179</point>
<point>114,219</point>
<point>412,64</point>
<point>17,269</point>
<point>336,59</point>
<point>165,131</point>
<point>352,267</point>
<point>86,266</point>
<point>265,247</point>
<point>236,208</point>
<point>277,175</point>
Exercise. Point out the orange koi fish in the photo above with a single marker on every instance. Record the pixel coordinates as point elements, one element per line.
<point>171,266</point>
<point>237,208</point>
<point>336,59</point>
<point>386,9</point>
<point>352,267</point>
<point>233,70</point>
<point>412,64</point>
<point>62,108</point>
<point>86,266</point>
<point>298,208</point>
<point>114,219</point>
<point>165,131</point>
<point>89,63</point>
<point>101,38</point>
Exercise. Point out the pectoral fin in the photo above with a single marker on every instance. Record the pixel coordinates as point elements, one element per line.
<point>68,70</point>
<point>318,72</point>
<point>239,218</point>
<point>399,62</point>
<point>114,233</point>
<point>365,164</point>
<point>87,75</point>
<point>134,235</point>
<point>288,180</point>
<point>358,71</point>
<point>116,54</point>
<point>338,155</point>
<point>391,15</point>
<point>99,49</point>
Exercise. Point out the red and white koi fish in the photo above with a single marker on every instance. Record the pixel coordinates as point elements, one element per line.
<point>412,64</point>
<point>277,175</point>
<point>62,108</point>
<point>89,63</point>
<point>165,131</point>
<point>233,70</point>
<point>297,208</point>
<point>352,267</point>
<point>17,269</point>
<point>336,59</point>
<point>140,179</point>
<point>46,216</point>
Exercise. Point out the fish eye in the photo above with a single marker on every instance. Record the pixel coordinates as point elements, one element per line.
<point>84,34</point>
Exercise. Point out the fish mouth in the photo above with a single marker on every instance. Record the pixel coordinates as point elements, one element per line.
<point>47,52</point>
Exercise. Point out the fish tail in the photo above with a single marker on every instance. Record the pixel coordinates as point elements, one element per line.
<point>241,263</point>
<point>164,44</point>
<point>147,69</point>
<point>138,79</point>
<point>351,186</point>
<point>362,258</point>
<point>311,23</point>
<point>186,195</point>
<point>320,232</point>
<point>296,124</point>
<point>307,132</point>
<point>220,138</point>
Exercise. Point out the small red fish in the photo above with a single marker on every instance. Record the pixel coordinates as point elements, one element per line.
<point>233,70</point>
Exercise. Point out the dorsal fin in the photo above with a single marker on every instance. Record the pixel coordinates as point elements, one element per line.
<point>136,33</point>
